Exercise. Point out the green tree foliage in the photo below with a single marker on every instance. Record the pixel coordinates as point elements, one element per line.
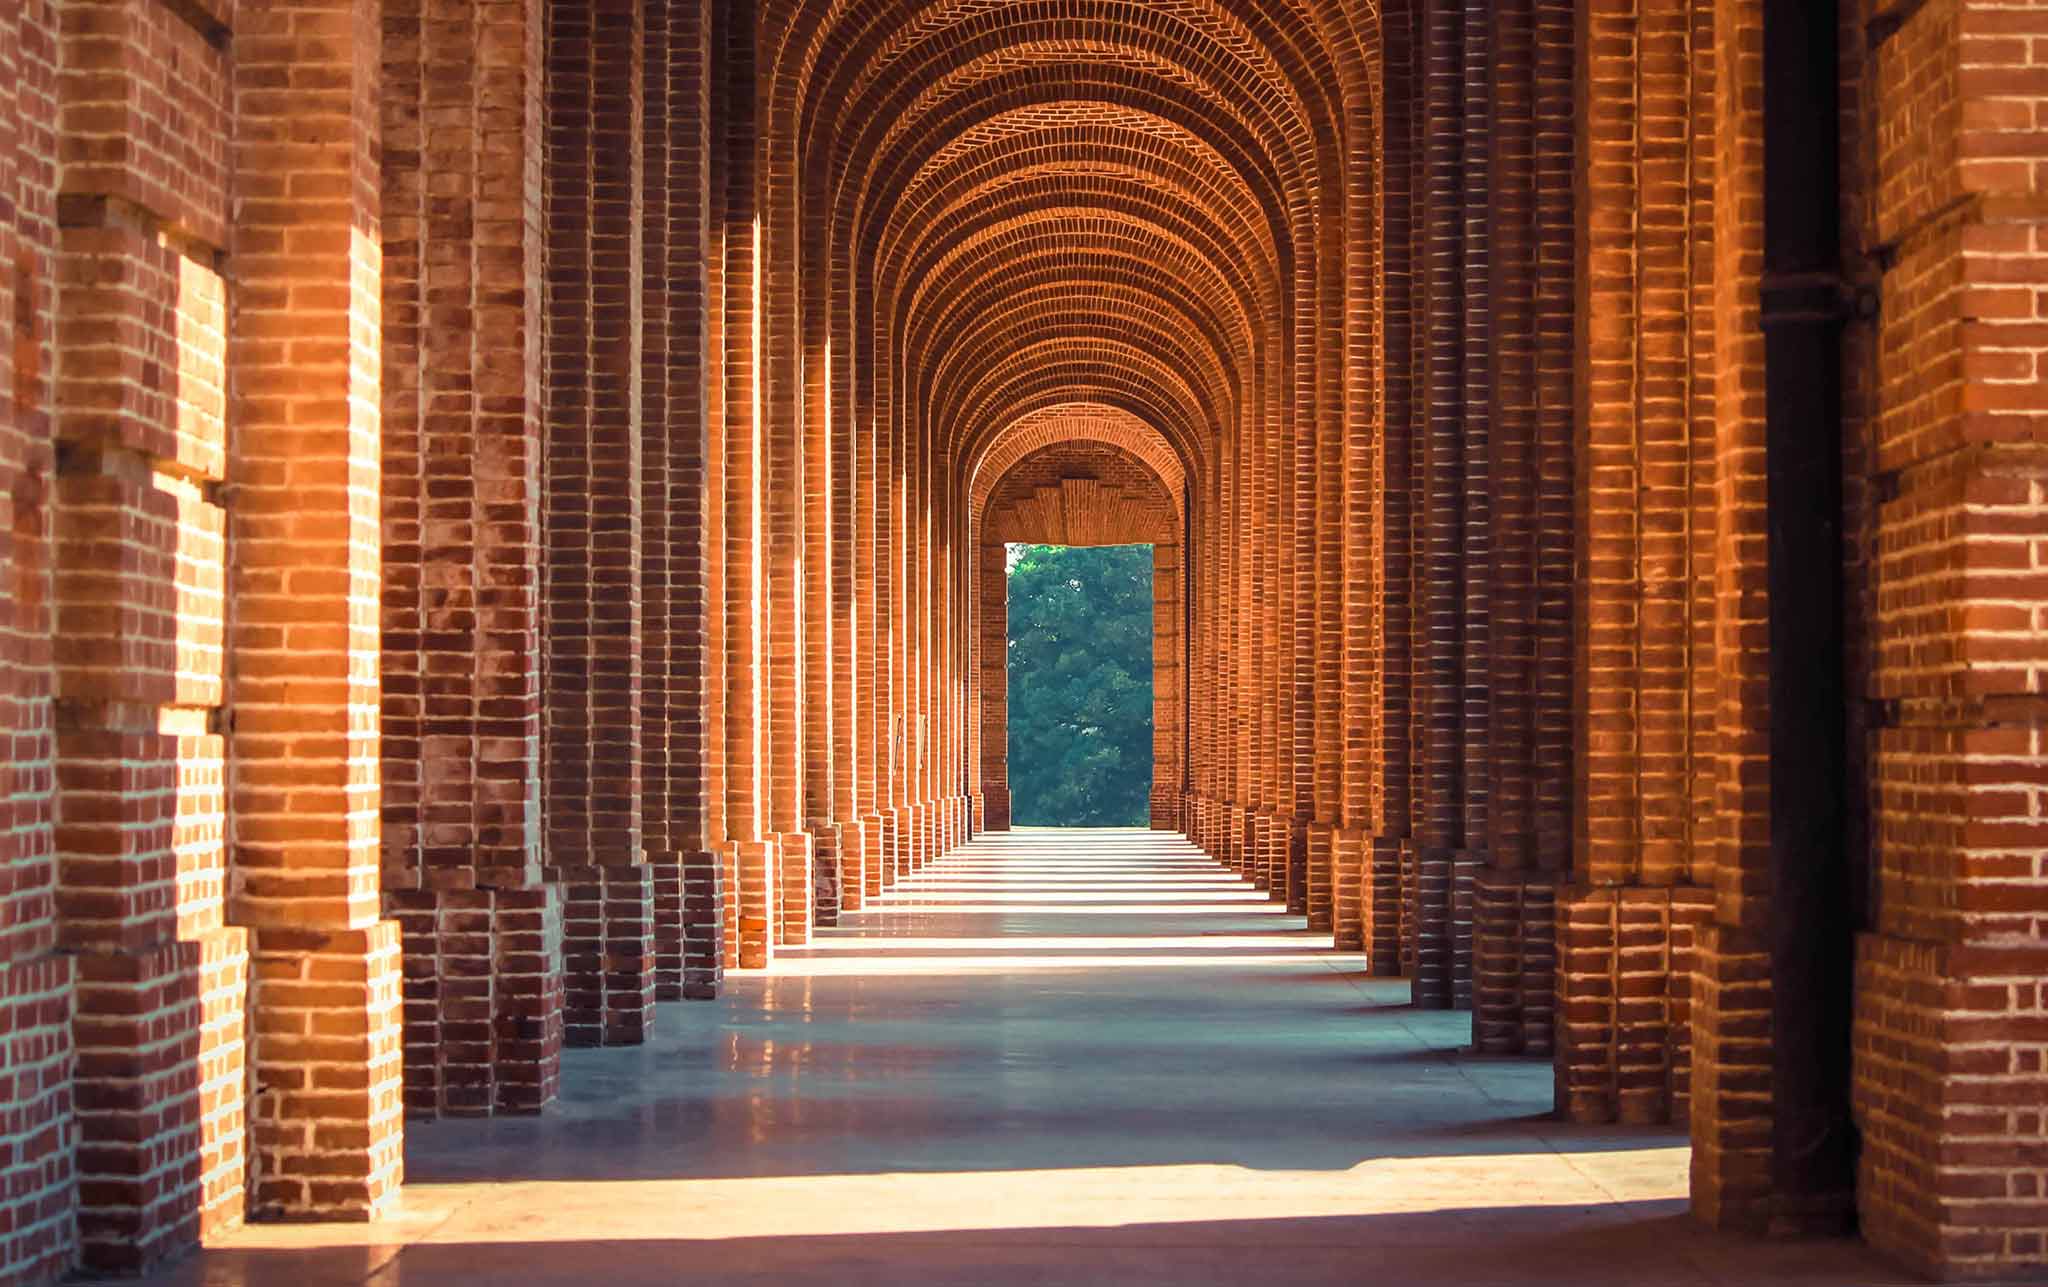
<point>1080,685</point>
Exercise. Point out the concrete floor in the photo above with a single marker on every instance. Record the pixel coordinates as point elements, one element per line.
<point>1056,1057</point>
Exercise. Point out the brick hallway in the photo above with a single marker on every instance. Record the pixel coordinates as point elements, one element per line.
<point>502,509</point>
<point>1053,1056</point>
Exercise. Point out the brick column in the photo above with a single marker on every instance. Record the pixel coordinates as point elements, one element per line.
<point>1952,982</point>
<point>740,445</point>
<point>869,567</point>
<point>796,570</point>
<point>849,463</point>
<point>1645,786</point>
<point>594,625</point>
<point>304,644</point>
<point>462,537</point>
<point>157,1017</point>
<point>40,1242</point>
<point>1525,841</point>
<point>35,978</point>
<point>1440,799</point>
<point>993,625</point>
<point>1169,692</point>
<point>685,676</point>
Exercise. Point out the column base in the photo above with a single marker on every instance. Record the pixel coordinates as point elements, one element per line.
<point>1437,902</point>
<point>1293,859</point>
<point>1348,847</point>
<point>1950,1172</point>
<point>894,846</point>
<point>796,858</point>
<point>1381,909</point>
<point>754,862</point>
<point>1625,962</point>
<point>1514,963</point>
<point>875,861</point>
<point>1258,856</point>
<point>920,836</point>
<point>1319,843</point>
<point>853,860</point>
<point>828,880</point>
<point>35,1007</point>
<point>142,1102</point>
<point>1163,811</point>
<point>706,927</point>
<point>325,1153</point>
<point>607,953</point>
<point>667,873</point>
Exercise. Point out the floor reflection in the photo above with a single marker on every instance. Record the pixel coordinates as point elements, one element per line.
<point>1050,1058</point>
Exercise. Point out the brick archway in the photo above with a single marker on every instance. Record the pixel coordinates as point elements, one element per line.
<point>475,580</point>
<point>1075,490</point>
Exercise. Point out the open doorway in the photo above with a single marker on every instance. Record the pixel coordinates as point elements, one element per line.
<point>1080,665</point>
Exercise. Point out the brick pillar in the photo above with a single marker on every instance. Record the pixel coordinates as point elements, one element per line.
<point>1730,999</point>
<point>993,625</point>
<point>1646,783</point>
<point>830,403</point>
<point>1952,981</point>
<point>461,557</point>
<point>868,566</point>
<point>593,782</point>
<point>1440,655</point>
<point>739,443</point>
<point>679,673</point>
<point>797,645</point>
<point>1525,840</point>
<point>305,572</point>
<point>36,982</point>
<point>1477,360</point>
<point>158,1013</point>
<point>1383,818</point>
<point>1169,687</point>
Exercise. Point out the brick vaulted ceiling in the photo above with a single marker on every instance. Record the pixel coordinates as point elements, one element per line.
<point>1151,225</point>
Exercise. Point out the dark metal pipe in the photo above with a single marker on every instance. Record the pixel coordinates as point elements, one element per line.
<point>1813,902</point>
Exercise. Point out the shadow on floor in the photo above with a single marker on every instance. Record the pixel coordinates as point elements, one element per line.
<point>1637,1245</point>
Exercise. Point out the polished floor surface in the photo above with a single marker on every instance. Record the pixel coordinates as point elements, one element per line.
<point>1054,1057</point>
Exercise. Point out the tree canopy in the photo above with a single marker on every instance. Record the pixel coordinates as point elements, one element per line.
<point>1080,690</point>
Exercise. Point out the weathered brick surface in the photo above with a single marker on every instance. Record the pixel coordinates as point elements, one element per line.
<point>1949,982</point>
<point>304,352</point>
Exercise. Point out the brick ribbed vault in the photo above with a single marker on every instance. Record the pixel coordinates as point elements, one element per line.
<point>501,510</point>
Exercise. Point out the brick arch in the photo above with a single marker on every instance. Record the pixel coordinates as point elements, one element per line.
<point>1079,421</point>
<point>1223,271</point>
<point>1025,383</point>
<point>1134,118</point>
<point>1197,156</point>
<point>1210,45</point>
<point>1233,268</point>
<point>1263,97</point>
<point>1051,480</point>
<point>1113,328</point>
<point>1051,399</point>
